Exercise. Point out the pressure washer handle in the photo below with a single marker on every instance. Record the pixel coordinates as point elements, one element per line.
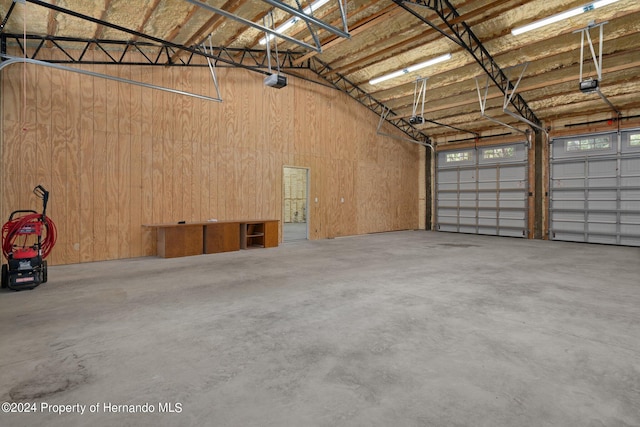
<point>25,211</point>
<point>40,191</point>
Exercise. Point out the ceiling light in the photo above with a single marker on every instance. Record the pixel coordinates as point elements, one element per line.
<point>561,16</point>
<point>284,27</point>
<point>410,69</point>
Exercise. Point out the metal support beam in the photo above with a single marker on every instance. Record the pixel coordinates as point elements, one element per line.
<point>212,67</point>
<point>343,14</point>
<point>606,100</point>
<point>464,37</point>
<point>402,4</point>
<point>16,60</point>
<point>252,24</point>
<point>309,19</point>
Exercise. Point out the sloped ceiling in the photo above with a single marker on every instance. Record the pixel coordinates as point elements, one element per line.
<point>386,36</point>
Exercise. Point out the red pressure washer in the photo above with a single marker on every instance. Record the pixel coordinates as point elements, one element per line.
<point>24,246</point>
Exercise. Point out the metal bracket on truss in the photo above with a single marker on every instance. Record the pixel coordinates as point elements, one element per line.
<point>252,24</point>
<point>314,34</point>
<point>383,117</point>
<point>483,103</point>
<point>271,24</point>
<point>419,93</point>
<point>273,80</point>
<point>309,18</point>
<point>298,12</point>
<point>212,66</point>
<point>589,85</point>
<point>508,95</point>
<point>343,15</point>
<point>510,92</point>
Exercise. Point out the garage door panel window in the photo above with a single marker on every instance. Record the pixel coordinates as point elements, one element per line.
<point>459,157</point>
<point>499,153</point>
<point>632,141</point>
<point>589,144</point>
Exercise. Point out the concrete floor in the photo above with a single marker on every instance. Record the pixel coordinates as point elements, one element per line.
<point>294,231</point>
<point>396,329</point>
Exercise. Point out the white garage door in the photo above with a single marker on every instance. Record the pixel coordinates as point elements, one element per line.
<point>483,190</point>
<point>595,188</point>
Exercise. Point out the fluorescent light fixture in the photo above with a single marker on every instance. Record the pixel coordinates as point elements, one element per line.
<point>288,24</point>
<point>561,16</point>
<point>601,3</point>
<point>411,69</point>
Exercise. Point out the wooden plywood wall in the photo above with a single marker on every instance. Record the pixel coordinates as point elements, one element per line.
<point>116,156</point>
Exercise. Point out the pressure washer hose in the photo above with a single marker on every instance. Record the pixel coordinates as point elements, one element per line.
<point>10,232</point>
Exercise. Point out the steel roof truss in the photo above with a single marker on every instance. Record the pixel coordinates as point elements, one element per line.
<point>6,18</point>
<point>152,54</point>
<point>470,42</point>
<point>343,84</point>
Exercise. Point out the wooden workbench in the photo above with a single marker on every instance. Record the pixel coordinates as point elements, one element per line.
<point>195,238</point>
